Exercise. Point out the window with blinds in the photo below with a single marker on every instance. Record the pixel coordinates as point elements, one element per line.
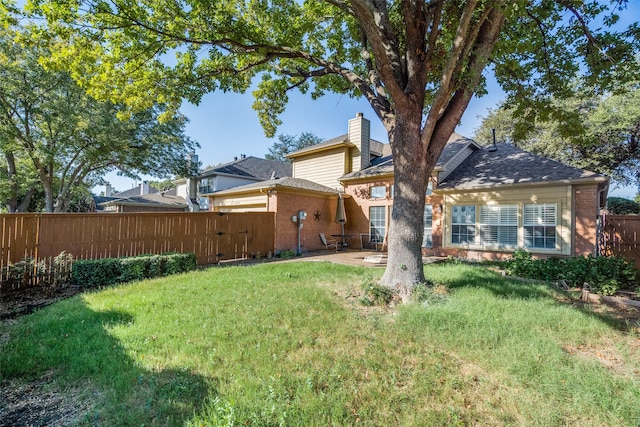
<point>463,224</point>
<point>540,223</point>
<point>377,220</point>
<point>427,237</point>
<point>499,225</point>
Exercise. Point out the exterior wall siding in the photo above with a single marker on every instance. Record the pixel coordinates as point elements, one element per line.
<point>240,203</point>
<point>586,208</point>
<point>323,168</point>
<point>359,133</point>
<point>288,204</point>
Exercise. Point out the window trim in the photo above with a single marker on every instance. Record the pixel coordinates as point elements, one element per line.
<point>540,223</point>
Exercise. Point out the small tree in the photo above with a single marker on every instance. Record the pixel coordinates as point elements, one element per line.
<point>290,143</point>
<point>56,138</point>
<point>622,206</point>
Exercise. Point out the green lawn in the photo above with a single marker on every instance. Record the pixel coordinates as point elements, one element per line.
<point>289,344</point>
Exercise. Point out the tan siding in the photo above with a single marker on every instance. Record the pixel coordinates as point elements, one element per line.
<point>359,131</point>
<point>323,168</point>
<point>561,195</point>
<point>249,203</point>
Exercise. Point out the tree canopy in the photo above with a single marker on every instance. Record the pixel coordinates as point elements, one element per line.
<point>600,133</point>
<point>55,138</point>
<point>418,63</point>
<point>289,143</point>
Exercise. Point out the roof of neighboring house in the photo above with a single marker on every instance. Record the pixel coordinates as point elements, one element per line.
<point>99,201</point>
<point>510,165</point>
<point>151,200</point>
<point>135,191</point>
<point>274,184</point>
<point>384,165</point>
<point>250,167</point>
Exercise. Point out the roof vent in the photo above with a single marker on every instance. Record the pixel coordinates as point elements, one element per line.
<point>493,147</point>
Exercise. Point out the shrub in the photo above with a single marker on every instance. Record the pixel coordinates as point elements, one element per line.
<point>96,272</point>
<point>604,275</point>
<point>620,206</point>
<point>287,253</point>
<point>376,294</point>
<point>108,271</point>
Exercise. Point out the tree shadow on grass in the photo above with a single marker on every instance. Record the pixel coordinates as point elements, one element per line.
<point>84,374</point>
<point>512,288</point>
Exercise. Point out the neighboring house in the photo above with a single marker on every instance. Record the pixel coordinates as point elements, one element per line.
<point>142,198</point>
<point>481,202</point>
<point>241,171</point>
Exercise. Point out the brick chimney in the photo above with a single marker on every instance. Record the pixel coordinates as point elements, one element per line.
<point>359,134</point>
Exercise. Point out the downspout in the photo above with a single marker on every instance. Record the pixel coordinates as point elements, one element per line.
<point>600,219</point>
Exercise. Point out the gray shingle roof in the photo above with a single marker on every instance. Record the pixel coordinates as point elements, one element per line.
<point>251,167</point>
<point>288,182</point>
<point>384,165</point>
<point>509,165</point>
<point>135,191</point>
<point>153,200</point>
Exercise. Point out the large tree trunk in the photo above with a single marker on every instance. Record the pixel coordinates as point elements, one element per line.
<point>411,171</point>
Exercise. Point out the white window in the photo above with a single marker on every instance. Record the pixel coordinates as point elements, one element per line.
<point>499,225</point>
<point>429,188</point>
<point>463,224</point>
<point>540,226</point>
<point>377,223</point>
<point>378,192</point>
<point>427,238</point>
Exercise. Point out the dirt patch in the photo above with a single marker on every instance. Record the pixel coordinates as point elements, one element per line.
<point>16,303</point>
<point>41,403</point>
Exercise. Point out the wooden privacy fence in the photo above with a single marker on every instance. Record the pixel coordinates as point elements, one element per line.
<point>621,237</point>
<point>213,237</point>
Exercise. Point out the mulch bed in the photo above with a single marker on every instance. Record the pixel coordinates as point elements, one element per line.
<point>16,303</point>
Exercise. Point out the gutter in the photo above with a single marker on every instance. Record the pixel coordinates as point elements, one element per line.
<point>591,180</point>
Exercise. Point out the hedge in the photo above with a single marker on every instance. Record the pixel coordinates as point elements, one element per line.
<point>603,275</point>
<point>109,271</point>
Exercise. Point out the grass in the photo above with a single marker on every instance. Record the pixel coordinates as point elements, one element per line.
<point>289,344</point>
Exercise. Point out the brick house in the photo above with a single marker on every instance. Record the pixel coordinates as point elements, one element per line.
<point>482,202</point>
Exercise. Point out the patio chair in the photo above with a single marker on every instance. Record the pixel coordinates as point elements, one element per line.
<point>328,243</point>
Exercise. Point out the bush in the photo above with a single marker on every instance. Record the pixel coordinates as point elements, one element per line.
<point>620,206</point>
<point>96,272</point>
<point>603,275</point>
<point>109,271</point>
<point>376,294</point>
